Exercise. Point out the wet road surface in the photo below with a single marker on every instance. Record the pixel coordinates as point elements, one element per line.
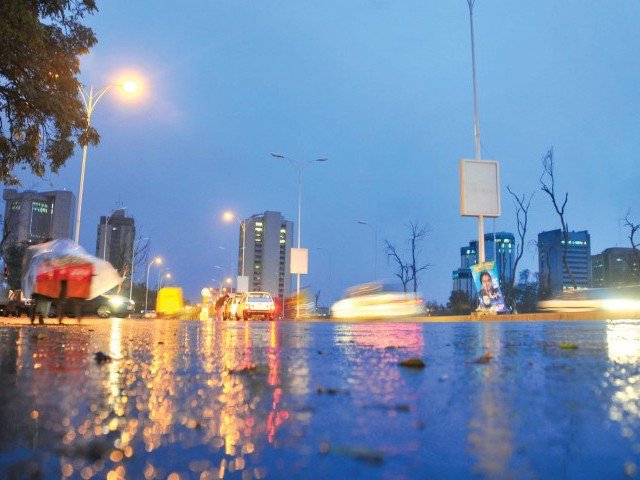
<point>205,400</point>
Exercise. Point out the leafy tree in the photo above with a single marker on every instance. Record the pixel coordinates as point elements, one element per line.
<point>13,253</point>
<point>526,293</point>
<point>41,113</point>
<point>459,303</point>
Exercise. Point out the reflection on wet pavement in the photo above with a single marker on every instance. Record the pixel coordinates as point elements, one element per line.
<point>258,400</point>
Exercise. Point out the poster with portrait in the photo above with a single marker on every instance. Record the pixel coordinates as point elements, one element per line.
<point>486,280</point>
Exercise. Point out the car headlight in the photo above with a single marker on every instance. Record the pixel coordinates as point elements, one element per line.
<point>116,301</point>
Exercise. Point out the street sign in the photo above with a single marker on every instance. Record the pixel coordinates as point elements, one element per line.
<point>299,261</point>
<point>479,188</point>
<point>242,285</point>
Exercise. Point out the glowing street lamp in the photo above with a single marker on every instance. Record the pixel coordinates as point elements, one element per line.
<point>167,276</point>
<point>130,87</point>
<point>155,261</point>
<point>229,217</point>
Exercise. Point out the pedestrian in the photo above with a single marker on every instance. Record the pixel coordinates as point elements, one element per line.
<point>220,306</point>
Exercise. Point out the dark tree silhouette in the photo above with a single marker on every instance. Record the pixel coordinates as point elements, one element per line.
<point>522,204</point>
<point>548,185</point>
<point>417,235</point>
<point>403,267</point>
<point>41,113</point>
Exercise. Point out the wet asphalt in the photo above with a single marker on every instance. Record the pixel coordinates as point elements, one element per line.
<point>143,399</point>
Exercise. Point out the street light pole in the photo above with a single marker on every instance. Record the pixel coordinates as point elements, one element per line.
<point>228,216</point>
<point>476,126</point>
<point>90,102</point>
<point>157,260</point>
<point>374,228</point>
<point>167,276</point>
<point>296,164</point>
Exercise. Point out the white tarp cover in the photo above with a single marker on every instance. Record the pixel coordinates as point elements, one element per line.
<point>105,277</point>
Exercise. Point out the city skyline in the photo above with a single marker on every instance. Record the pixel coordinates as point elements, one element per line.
<point>393,112</point>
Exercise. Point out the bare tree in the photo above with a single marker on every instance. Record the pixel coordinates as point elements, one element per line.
<point>417,234</point>
<point>633,230</point>
<point>403,267</point>
<point>409,270</point>
<point>548,185</point>
<point>522,219</point>
<point>139,257</point>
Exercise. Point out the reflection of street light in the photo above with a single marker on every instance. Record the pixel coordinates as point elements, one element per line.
<point>298,166</point>
<point>228,217</point>
<point>106,225</point>
<point>130,88</point>
<point>375,247</point>
<point>158,261</point>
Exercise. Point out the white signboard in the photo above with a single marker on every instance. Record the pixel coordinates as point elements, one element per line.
<point>242,285</point>
<point>479,188</point>
<point>299,261</point>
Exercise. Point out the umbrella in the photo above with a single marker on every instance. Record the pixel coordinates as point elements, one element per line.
<point>63,251</point>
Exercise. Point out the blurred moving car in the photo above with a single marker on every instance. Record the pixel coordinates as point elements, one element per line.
<point>377,300</point>
<point>621,299</point>
<point>103,306</point>
<point>226,308</point>
<point>255,304</point>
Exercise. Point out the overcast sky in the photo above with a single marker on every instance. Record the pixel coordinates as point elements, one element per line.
<point>381,88</point>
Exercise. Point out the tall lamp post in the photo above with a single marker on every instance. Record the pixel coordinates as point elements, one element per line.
<point>157,261</point>
<point>90,99</point>
<point>375,247</point>
<point>476,126</point>
<point>230,216</point>
<point>298,166</point>
<point>161,273</point>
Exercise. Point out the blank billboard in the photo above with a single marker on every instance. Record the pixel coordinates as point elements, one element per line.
<point>299,261</point>
<point>479,188</point>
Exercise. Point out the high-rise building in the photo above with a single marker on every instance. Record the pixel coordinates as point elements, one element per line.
<point>615,267</point>
<point>502,251</point>
<point>553,275</point>
<point>33,217</point>
<point>116,238</point>
<point>267,256</point>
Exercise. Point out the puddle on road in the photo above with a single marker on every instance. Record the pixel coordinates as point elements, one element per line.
<point>209,400</point>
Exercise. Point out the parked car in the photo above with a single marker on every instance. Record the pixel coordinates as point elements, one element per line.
<point>104,306</point>
<point>256,304</point>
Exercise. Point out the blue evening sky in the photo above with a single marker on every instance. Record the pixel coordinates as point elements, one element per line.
<point>383,89</point>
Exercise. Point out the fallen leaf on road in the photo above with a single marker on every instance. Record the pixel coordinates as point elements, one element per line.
<point>486,358</point>
<point>102,358</point>
<point>568,346</point>
<point>412,363</point>
<point>331,391</point>
<point>365,455</point>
